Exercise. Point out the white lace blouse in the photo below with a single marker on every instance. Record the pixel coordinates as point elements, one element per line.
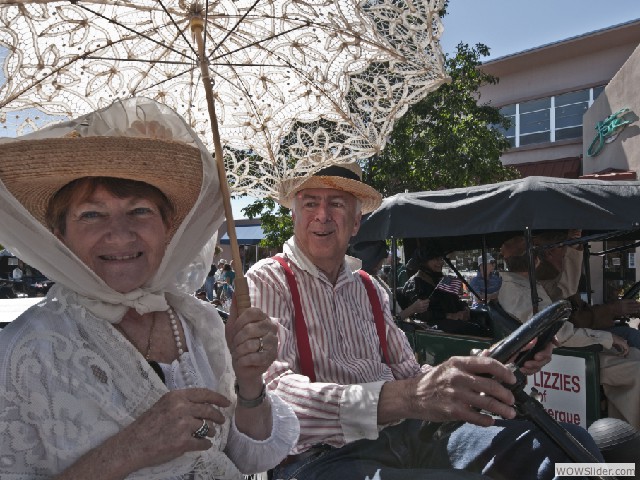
<point>69,380</point>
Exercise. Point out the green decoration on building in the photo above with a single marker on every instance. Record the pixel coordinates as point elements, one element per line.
<point>608,130</point>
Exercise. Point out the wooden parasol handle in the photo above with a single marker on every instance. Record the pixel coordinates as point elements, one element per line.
<point>241,288</point>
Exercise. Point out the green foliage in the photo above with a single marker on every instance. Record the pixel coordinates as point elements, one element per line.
<point>276,221</point>
<point>448,139</point>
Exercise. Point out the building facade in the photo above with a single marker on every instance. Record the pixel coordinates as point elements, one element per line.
<point>546,91</point>
<point>555,96</point>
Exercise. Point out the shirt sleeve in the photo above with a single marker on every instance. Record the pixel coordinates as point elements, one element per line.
<point>569,336</point>
<point>514,301</point>
<point>260,455</point>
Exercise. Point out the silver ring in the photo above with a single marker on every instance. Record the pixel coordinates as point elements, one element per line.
<point>202,430</point>
<point>261,346</point>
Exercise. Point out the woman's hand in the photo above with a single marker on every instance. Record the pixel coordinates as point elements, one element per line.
<point>165,431</point>
<point>161,434</point>
<point>253,341</point>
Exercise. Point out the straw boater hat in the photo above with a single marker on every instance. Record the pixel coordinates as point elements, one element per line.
<point>344,176</point>
<point>34,170</point>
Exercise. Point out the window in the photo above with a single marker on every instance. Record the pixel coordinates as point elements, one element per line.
<point>569,110</point>
<point>535,121</point>
<point>510,111</point>
<point>548,119</point>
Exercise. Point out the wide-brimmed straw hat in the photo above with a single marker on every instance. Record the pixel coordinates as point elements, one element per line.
<point>34,170</point>
<point>345,176</point>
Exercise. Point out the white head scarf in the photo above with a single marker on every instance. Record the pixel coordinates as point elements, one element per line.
<point>90,303</point>
<point>188,255</point>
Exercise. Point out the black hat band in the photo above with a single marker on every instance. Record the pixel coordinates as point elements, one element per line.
<point>336,171</point>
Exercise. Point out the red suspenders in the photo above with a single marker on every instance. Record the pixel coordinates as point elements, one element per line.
<point>302,334</point>
<point>378,316</point>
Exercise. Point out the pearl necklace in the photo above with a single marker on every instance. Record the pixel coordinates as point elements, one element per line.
<point>173,322</point>
<point>186,375</point>
<point>176,331</point>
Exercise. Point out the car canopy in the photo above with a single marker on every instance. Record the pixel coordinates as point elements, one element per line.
<point>467,217</point>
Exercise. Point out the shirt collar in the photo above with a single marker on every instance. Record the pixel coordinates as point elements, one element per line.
<point>295,255</point>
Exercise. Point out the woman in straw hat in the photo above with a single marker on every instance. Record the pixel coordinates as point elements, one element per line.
<point>120,372</point>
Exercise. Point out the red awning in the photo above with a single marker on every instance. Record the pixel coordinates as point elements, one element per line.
<point>560,168</point>
<point>612,174</point>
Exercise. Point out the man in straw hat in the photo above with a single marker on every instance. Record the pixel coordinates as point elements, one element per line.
<point>120,372</point>
<point>349,371</point>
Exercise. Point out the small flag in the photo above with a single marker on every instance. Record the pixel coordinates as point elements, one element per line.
<point>450,284</point>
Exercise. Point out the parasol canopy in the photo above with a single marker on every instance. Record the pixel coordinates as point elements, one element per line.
<point>287,86</point>
<point>296,85</point>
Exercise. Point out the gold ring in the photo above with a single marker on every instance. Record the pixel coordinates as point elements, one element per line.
<point>261,346</point>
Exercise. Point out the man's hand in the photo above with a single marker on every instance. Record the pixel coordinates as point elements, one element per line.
<point>620,346</point>
<point>539,360</point>
<point>464,314</point>
<point>457,389</point>
<point>625,307</point>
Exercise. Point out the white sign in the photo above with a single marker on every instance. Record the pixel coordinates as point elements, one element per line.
<point>562,389</point>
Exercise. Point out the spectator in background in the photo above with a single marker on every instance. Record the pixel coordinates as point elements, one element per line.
<point>402,277</point>
<point>219,281</point>
<point>210,282</point>
<point>559,272</point>
<point>408,270</point>
<point>226,290</point>
<point>372,255</point>
<point>493,282</point>
<point>228,274</point>
<point>618,363</point>
<point>17,272</point>
<point>446,312</point>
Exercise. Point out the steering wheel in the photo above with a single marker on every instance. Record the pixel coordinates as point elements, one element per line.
<point>543,325</point>
<point>632,291</point>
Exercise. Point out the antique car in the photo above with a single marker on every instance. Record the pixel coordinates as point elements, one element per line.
<point>482,218</point>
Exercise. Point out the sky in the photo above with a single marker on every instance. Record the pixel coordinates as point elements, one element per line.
<point>511,26</point>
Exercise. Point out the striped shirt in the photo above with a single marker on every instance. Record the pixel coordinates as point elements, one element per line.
<point>341,406</point>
